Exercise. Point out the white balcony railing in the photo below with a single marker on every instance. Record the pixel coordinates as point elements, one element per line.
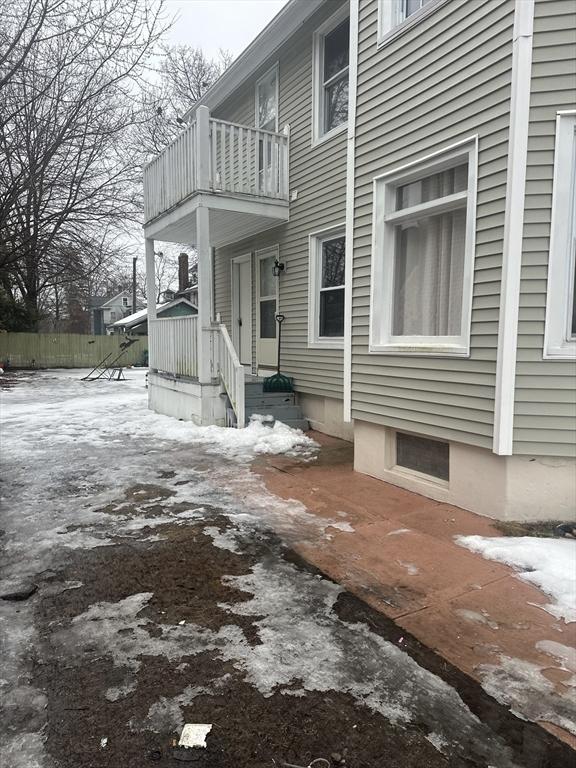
<point>219,157</point>
<point>173,345</point>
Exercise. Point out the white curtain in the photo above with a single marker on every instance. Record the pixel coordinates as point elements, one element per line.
<point>428,276</point>
<point>429,261</point>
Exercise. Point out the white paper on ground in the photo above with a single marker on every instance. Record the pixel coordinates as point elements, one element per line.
<point>194,735</point>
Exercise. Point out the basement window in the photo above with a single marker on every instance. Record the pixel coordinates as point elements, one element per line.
<point>423,455</point>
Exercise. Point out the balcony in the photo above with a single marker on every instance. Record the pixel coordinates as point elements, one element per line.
<point>239,173</point>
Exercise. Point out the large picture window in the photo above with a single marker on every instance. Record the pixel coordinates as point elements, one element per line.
<point>423,254</point>
<point>332,60</point>
<point>326,289</point>
<point>560,334</point>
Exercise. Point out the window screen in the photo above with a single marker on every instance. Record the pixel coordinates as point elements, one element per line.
<point>431,457</point>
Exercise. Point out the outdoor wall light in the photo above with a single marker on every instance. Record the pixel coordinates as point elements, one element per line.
<point>278,268</point>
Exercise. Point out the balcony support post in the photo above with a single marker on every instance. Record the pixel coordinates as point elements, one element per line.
<point>150,279</point>
<point>203,149</point>
<point>205,352</point>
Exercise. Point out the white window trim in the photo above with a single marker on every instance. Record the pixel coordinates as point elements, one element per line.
<point>389,25</point>
<point>381,289</point>
<point>315,240</point>
<point>318,135</point>
<point>275,68</point>
<point>557,346</point>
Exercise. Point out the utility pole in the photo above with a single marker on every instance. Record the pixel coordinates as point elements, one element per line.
<point>134,284</point>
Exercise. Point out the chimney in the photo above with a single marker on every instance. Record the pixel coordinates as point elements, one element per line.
<point>182,271</point>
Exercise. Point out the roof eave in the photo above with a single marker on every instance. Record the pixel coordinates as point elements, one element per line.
<point>282,27</point>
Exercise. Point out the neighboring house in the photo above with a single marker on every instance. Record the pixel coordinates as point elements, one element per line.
<point>397,177</point>
<point>106,310</point>
<point>137,323</point>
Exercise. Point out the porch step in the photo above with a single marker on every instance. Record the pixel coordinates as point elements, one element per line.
<point>282,412</point>
<point>268,399</point>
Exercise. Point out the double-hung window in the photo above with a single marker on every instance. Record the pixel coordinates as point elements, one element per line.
<point>331,76</point>
<point>395,15</point>
<point>423,254</point>
<point>560,334</point>
<point>326,289</point>
<point>267,120</point>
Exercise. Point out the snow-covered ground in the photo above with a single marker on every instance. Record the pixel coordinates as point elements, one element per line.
<point>549,564</point>
<point>71,450</point>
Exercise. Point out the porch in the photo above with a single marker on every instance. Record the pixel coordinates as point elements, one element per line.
<point>217,183</point>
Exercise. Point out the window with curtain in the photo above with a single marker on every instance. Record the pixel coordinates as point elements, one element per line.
<point>332,55</point>
<point>422,262</point>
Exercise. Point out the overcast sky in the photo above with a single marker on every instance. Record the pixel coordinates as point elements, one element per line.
<point>215,24</point>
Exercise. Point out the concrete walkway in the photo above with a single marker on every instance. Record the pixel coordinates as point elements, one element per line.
<point>402,559</point>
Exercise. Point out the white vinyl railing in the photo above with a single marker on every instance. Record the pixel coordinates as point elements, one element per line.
<point>173,345</point>
<point>171,176</point>
<point>216,156</point>
<point>231,373</point>
<point>248,161</point>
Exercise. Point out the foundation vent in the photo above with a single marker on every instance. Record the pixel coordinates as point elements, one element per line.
<point>420,454</point>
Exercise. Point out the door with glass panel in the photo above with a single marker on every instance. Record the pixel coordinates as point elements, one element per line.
<point>266,307</point>
<point>267,120</point>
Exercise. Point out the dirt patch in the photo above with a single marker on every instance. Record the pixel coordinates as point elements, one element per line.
<point>541,530</point>
<point>185,574</point>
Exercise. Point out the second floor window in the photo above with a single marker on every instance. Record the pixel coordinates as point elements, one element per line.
<point>267,101</point>
<point>393,13</point>
<point>332,61</point>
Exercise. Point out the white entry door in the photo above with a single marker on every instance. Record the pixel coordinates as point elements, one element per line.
<point>242,308</point>
<point>266,308</point>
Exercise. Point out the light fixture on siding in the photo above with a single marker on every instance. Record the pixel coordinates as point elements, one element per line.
<point>278,268</point>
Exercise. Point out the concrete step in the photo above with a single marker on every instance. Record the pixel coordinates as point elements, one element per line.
<point>268,399</point>
<point>280,412</point>
<point>298,424</point>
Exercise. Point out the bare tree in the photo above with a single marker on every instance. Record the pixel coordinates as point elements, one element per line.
<point>69,181</point>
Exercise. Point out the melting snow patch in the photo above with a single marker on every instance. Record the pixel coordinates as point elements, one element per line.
<point>194,735</point>
<point>520,685</point>
<point>549,564</point>
<point>398,531</point>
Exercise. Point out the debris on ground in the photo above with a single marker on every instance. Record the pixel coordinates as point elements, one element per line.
<point>194,735</point>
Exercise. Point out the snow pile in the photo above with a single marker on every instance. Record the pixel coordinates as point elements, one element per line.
<point>549,564</point>
<point>101,413</point>
<point>256,438</point>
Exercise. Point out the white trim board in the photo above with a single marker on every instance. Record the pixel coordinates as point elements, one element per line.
<point>513,228</point>
<point>350,199</point>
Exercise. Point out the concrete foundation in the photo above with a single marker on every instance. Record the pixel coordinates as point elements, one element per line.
<point>326,414</point>
<point>519,488</point>
<point>186,400</point>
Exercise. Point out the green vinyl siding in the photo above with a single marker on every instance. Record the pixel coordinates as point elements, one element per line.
<point>446,79</point>
<point>318,176</point>
<point>545,410</point>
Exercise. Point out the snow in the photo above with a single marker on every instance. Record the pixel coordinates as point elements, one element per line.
<point>549,564</point>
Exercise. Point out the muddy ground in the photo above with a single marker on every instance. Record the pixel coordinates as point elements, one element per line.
<point>186,573</point>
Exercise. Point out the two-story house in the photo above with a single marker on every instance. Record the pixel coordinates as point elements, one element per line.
<point>396,178</point>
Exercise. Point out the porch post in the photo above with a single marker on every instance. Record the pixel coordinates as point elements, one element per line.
<point>150,280</point>
<point>203,149</point>
<point>205,368</point>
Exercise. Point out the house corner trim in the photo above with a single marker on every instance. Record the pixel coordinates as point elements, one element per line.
<point>350,174</point>
<point>513,227</point>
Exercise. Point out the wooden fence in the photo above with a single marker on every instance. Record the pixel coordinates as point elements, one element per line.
<point>65,350</point>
